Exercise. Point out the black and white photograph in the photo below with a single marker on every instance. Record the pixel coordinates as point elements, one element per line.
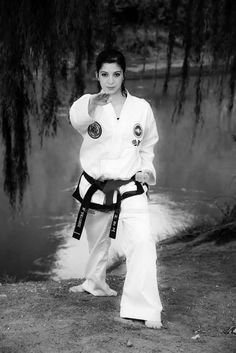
<point>118,176</point>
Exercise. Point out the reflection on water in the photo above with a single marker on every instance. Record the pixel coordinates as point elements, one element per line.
<point>27,248</point>
<point>70,259</point>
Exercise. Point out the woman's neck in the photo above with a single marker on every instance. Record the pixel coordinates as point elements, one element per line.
<point>118,98</point>
<point>117,101</point>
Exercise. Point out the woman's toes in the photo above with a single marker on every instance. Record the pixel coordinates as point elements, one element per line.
<point>112,293</point>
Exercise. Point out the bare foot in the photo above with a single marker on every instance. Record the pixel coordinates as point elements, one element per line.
<point>77,289</point>
<point>129,322</point>
<point>153,324</point>
<point>111,293</point>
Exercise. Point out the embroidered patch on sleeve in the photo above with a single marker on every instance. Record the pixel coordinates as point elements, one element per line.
<point>95,130</point>
<point>138,130</point>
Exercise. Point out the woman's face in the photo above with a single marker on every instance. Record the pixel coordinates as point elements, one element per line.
<point>110,77</point>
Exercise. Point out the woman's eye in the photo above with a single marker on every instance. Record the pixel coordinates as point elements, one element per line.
<point>117,74</point>
<point>103,74</point>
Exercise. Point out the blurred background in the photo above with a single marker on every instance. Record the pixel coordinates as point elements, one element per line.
<point>181,57</point>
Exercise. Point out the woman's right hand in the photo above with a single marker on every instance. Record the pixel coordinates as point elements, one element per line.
<point>100,98</point>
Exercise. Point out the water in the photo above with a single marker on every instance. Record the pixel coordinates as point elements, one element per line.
<point>193,180</point>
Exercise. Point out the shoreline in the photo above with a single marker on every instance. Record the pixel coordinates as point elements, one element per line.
<point>137,72</point>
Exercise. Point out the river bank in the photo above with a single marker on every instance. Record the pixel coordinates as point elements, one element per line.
<point>197,287</point>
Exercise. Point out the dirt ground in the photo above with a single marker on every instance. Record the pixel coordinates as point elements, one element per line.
<point>198,290</point>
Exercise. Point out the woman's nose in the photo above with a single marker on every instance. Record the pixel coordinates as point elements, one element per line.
<point>110,79</point>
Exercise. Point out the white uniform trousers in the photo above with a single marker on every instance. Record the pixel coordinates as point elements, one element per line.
<point>140,298</point>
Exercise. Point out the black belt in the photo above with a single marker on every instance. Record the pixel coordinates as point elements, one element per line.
<point>108,187</point>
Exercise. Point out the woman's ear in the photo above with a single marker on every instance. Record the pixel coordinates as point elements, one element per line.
<point>96,74</point>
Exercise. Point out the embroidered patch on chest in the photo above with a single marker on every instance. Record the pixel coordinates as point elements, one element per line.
<point>95,130</point>
<point>136,142</point>
<point>138,130</point>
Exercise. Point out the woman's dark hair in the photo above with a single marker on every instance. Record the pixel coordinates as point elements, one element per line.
<point>112,56</point>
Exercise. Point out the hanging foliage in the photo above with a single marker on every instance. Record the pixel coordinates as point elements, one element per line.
<point>33,45</point>
<point>187,45</point>
<point>174,4</point>
<point>200,34</point>
<point>38,43</point>
<point>15,102</point>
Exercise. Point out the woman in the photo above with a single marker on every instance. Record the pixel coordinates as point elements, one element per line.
<point>119,133</point>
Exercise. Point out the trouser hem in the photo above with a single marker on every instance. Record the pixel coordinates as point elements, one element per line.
<point>141,315</point>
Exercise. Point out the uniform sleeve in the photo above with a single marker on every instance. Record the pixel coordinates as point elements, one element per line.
<point>79,116</point>
<point>150,138</point>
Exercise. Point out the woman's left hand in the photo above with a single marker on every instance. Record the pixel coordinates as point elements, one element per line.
<point>142,176</point>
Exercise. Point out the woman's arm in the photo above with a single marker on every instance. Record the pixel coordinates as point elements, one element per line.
<point>79,114</point>
<point>82,111</point>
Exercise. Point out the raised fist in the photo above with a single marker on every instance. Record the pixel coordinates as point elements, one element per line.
<point>142,176</point>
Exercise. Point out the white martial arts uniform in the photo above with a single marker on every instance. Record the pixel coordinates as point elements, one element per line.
<point>118,149</point>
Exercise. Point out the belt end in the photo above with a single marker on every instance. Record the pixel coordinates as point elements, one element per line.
<point>76,235</point>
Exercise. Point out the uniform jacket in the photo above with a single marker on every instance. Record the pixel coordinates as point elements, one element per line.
<point>112,148</point>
